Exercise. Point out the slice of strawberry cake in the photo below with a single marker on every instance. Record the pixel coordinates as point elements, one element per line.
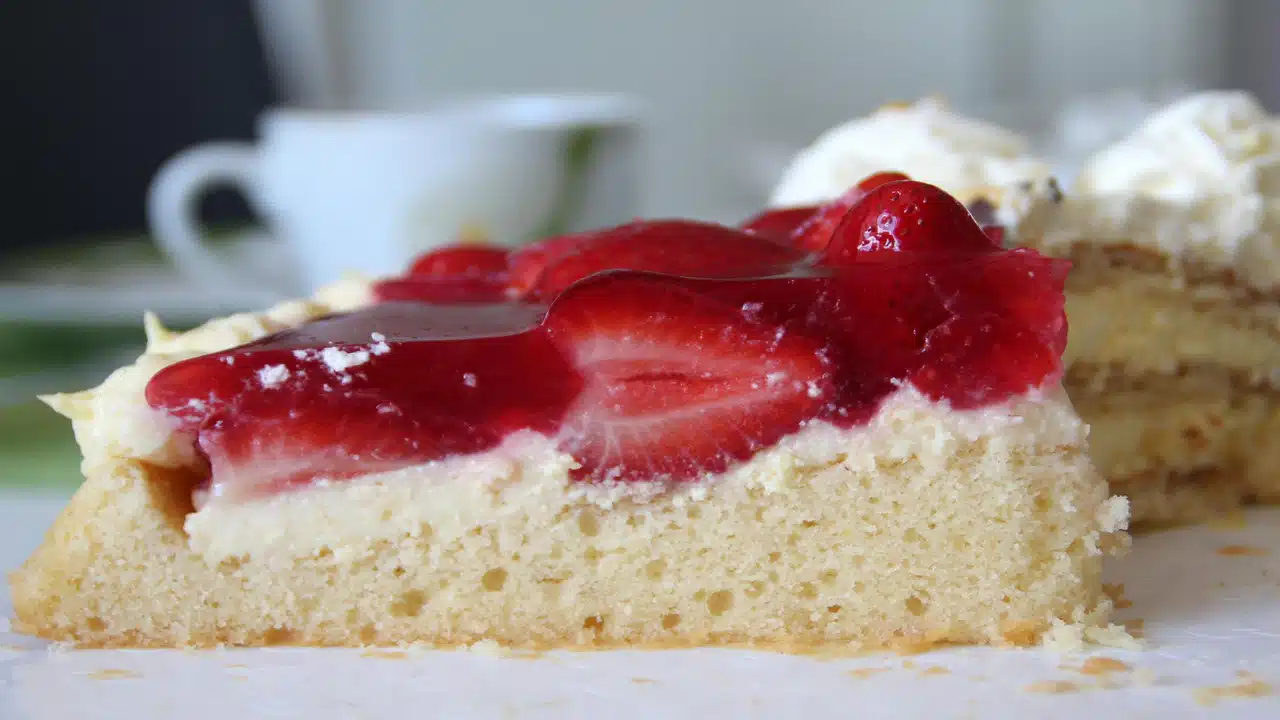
<point>837,430</point>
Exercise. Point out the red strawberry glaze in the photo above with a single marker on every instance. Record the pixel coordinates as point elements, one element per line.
<point>677,247</point>
<point>637,374</point>
<point>780,224</point>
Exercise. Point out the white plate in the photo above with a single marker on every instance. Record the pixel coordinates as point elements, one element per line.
<point>112,285</point>
<point>1208,617</point>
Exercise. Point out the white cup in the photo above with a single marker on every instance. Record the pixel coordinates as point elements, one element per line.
<point>369,191</point>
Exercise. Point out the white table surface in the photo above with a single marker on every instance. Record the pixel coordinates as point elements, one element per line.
<point>1208,618</point>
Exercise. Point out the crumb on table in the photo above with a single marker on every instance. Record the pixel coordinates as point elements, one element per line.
<point>1116,593</point>
<point>1103,666</point>
<point>113,674</point>
<point>385,654</point>
<point>1249,686</point>
<point>1052,687</point>
<point>1242,551</point>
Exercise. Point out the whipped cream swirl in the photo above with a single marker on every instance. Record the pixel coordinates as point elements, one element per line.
<point>1199,180</point>
<point>968,158</point>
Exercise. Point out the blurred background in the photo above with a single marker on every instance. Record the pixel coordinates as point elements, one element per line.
<point>103,93</point>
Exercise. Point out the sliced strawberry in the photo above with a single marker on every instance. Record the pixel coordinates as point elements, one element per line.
<point>471,261</point>
<point>258,448</point>
<point>815,233</point>
<point>676,384</point>
<point>906,218</point>
<point>527,264</point>
<point>779,225</point>
<point>674,247</point>
<point>450,275</point>
<point>442,290</point>
<point>388,386</point>
<point>872,319</point>
<point>639,375</point>
<point>996,233</point>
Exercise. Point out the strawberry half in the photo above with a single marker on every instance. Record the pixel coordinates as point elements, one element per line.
<point>526,265</point>
<point>442,290</point>
<point>676,384</point>
<point>462,261</point>
<point>257,448</point>
<point>816,232</point>
<point>674,247</point>
<point>458,274</point>
<point>906,218</point>
<point>392,385</point>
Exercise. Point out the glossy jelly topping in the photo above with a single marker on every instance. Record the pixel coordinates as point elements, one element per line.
<point>673,247</point>
<point>654,351</point>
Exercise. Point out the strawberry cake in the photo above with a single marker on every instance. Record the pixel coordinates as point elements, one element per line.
<point>1175,305</point>
<point>838,430</point>
<point>1174,295</point>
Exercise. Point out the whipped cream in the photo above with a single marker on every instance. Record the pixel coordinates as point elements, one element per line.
<point>1198,180</point>
<point>968,158</point>
<point>113,420</point>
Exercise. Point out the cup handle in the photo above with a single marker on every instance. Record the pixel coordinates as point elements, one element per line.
<point>173,204</point>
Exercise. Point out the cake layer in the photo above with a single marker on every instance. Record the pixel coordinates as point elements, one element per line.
<point>1127,308</point>
<point>1183,446</point>
<point>1159,500</point>
<point>925,526</point>
<point>1173,358</point>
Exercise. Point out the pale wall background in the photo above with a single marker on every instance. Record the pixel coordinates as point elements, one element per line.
<point>734,87</point>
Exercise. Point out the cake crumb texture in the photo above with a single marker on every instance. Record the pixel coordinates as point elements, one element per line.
<point>979,550</point>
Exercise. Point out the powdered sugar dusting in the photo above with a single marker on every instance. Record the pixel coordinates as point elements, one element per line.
<point>379,346</point>
<point>339,360</point>
<point>273,375</point>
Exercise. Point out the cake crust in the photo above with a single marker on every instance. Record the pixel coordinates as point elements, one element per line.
<point>887,556</point>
